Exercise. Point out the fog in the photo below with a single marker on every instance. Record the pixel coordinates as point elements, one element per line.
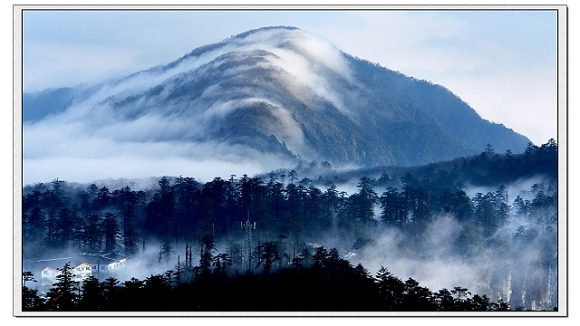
<point>523,273</point>
<point>120,129</point>
<point>135,166</point>
<point>99,139</point>
<point>502,266</point>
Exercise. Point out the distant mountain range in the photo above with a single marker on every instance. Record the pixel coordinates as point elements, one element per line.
<point>281,91</point>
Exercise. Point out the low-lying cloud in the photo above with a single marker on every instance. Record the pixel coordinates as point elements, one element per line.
<point>122,130</point>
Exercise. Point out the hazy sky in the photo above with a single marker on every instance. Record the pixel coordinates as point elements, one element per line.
<point>401,49</point>
<point>503,65</point>
<point>501,62</point>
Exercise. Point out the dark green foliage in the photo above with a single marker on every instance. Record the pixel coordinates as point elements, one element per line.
<point>128,203</point>
<point>181,209</point>
<point>268,255</point>
<point>391,289</point>
<point>111,231</point>
<point>64,294</point>
<point>355,214</point>
<point>416,297</point>
<point>207,250</point>
<point>267,220</point>
<point>91,297</point>
<point>30,299</point>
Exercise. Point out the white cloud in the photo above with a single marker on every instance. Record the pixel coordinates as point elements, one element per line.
<point>90,159</point>
<point>441,47</point>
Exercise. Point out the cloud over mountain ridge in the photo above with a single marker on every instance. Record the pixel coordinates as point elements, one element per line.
<point>268,96</point>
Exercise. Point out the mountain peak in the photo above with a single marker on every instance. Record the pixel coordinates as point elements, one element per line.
<point>276,92</point>
<point>263,29</point>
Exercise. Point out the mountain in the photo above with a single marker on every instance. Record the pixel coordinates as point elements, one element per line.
<point>283,92</point>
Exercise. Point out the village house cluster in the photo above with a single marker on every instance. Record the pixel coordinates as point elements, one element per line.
<point>84,266</point>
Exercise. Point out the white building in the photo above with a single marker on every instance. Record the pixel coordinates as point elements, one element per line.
<point>82,272</point>
<point>100,266</point>
<point>48,276</point>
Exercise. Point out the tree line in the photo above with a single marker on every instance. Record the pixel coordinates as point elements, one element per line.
<point>279,213</point>
<point>59,216</point>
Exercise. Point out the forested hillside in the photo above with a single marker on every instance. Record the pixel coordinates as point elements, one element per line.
<point>314,281</point>
<point>271,232</point>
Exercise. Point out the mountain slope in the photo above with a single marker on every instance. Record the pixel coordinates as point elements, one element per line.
<point>276,91</point>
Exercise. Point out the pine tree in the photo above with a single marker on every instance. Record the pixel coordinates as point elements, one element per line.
<point>63,295</point>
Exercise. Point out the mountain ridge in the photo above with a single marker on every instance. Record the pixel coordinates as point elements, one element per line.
<point>283,91</point>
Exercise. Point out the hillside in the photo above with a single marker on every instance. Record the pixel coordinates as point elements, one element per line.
<point>275,91</point>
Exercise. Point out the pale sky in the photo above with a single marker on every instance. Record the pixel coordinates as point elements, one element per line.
<point>501,62</point>
<point>537,112</point>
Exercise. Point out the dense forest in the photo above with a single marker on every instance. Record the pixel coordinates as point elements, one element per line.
<point>315,281</point>
<point>260,242</point>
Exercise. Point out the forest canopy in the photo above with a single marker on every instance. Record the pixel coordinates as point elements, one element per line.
<point>271,232</point>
